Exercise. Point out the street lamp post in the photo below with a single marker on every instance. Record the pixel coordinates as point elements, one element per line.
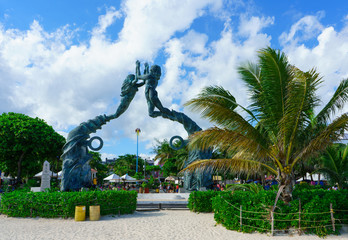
<point>137,131</point>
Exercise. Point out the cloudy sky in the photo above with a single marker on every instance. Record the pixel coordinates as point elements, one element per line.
<point>64,61</point>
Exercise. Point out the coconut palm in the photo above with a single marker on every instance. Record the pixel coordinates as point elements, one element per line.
<point>163,151</point>
<point>334,164</point>
<point>278,130</point>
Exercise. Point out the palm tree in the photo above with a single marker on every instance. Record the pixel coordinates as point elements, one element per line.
<point>278,130</point>
<point>334,164</point>
<point>163,151</point>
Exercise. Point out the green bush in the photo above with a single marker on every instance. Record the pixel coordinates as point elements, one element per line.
<point>256,211</point>
<point>62,204</point>
<point>201,201</point>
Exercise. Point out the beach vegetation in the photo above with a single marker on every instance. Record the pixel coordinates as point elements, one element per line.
<point>278,130</point>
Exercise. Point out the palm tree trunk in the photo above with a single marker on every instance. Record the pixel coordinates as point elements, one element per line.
<point>286,181</point>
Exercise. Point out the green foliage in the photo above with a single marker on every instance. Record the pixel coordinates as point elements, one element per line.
<point>201,201</point>
<point>154,182</point>
<point>138,175</point>
<point>62,204</point>
<point>25,143</point>
<point>278,129</point>
<point>96,163</point>
<point>334,164</point>
<point>252,187</point>
<point>164,153</point>
<point>169,168</point>
<point>315,210</point>
<point>127,164</point>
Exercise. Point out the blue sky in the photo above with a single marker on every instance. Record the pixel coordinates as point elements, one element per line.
<point>65,61</point>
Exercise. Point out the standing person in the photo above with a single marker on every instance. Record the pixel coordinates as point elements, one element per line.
<point>177,188</point>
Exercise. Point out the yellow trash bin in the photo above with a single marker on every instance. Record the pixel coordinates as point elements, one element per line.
<point>94,213</point>
<point>80,213</point>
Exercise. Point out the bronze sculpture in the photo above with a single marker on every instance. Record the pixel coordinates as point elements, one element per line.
<point>76,171</point>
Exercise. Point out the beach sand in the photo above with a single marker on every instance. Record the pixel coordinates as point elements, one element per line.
<point>153,225</point>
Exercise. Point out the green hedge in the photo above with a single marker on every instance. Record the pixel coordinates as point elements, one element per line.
<point>226,208</point>
<point>62,204</point>
<point>201,201</point>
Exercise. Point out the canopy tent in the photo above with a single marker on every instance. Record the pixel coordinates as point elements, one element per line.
<point>127,178</point>
<point>170,178</point>
<point>39,175</point>
<point>314,176</point>
<point>112,178</point>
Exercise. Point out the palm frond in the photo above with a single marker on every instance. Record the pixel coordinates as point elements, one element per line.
<point>329,134</point>
<point>300,102</point>
<point>217,104</point>
<point>229,165</point>
<point>276,73</point>
<point>230,141</point>
<point>337,102</point>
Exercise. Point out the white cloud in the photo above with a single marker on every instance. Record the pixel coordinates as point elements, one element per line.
<point>304,29</point>
<point>47,74</point>
<point>328,54</point>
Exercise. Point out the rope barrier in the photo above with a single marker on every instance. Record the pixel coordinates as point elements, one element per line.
<point>300,219</point>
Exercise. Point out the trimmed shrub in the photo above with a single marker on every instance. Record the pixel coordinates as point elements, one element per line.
<point>201,201</point>
<point>62,204</point>
<point>315,211</point>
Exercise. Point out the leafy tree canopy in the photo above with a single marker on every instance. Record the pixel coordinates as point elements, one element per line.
<point>25,143</point>
<point>127,164</point>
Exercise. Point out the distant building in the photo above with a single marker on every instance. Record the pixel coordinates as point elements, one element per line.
<point>109,161</point>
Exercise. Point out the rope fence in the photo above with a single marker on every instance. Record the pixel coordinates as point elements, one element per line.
<point>299,217</point>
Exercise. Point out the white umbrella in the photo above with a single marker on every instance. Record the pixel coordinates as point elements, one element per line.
<point>112,177</point>
<point>127,178</point>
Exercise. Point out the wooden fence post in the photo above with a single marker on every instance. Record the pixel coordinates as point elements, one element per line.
<point>332,217</point>
<point>240,217</point>
<point>272,223</point>
<point>299,216</point>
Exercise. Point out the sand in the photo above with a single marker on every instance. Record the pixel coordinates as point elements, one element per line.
<point>161,225</point>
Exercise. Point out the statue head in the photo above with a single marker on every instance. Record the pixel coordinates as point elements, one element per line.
<point>156,71</point>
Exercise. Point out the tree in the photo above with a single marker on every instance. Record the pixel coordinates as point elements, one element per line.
<point>25,143</point>
<point>279,129</point>
<point>127,164</point>
<point>169,168</point>
<point>334,164</point>
<point>97,164</point>
<point>164,152</point>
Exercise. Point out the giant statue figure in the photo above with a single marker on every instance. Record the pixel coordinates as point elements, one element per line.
<point>76,171</point>
<point>192,181</point>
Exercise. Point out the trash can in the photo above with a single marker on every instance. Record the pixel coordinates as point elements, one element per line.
<point>94,213</point>
<point>80,213</point>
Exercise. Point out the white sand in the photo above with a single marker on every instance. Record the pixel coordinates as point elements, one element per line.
<point>161,225</point>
